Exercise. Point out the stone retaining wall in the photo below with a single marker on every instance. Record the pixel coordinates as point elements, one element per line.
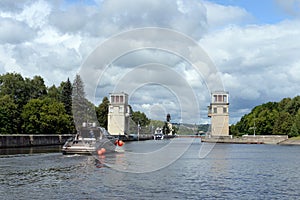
<point>7,141</point>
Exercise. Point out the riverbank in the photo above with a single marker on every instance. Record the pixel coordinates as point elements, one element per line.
<point>18,140</point>
<point>23,140</point>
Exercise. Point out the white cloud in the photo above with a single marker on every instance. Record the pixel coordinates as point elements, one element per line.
<point>13,31</point>
<point>257,63</point>
<point>35,14</point>
<point>294,72</point>
<point>9,63</point>
<point>13,6</point>
<point>52,30</point>
<point>72,20</point>
<point>113,16</point>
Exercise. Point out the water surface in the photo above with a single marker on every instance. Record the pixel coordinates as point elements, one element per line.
<point>230,171</point>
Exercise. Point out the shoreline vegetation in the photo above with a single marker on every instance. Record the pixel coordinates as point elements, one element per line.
<point>28,106</point>
<point>271,118</point>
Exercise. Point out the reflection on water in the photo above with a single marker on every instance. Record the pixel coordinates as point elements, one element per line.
<point>154,156</point>
<point>220,162</point>
<point>228,172</point>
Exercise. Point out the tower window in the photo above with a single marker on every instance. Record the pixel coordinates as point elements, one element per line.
<point>112,99</point>
<point>117,99</point>
<point>224,98</point>
<point>121,99</point>
<point>215,110</point>
<point>215,98</point>
<point>224,110</point>
<point>220,98</point>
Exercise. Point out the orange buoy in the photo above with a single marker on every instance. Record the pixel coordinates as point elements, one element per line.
<point>120,143</point>
<point>101,151</point>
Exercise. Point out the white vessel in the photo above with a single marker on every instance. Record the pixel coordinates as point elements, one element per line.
<point>158,134</point>
<point>89,141</point>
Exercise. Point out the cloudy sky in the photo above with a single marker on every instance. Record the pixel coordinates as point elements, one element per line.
<point>254,47</point>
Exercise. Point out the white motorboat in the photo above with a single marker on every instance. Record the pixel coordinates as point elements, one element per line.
<point>90,140</point>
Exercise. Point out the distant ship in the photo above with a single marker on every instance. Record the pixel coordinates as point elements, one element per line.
<point>158,134</point>
<point>166,132</point>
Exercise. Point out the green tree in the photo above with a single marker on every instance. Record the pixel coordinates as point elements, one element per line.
<point>31,117</point>
<point>297,120</point>
<point>203,128</point>
<point>45,116</point>
<point>265,121</point>
<point>293,106</point>
<point>102,112</point>
<point>66,96</point>
<point>262,118</point>
<point>82,109</point>
<point>79,106</point>
<point>243,126</point>
<point>54,119</point>
<point>233,130</point>
<point>283,124</point>
<point>14,85</point>
<point>18,89</point>
<point>294,131</point>
<point>54,93</point>
<point>36,87</point>
<point>282,105</point>
<point>9,116</point>
<point>140,118</point>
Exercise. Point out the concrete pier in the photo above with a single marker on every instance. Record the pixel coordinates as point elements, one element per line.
<point>248,139</point>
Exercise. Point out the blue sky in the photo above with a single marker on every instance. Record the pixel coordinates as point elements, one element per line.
<point>265,11</point>
<point>253,44</point>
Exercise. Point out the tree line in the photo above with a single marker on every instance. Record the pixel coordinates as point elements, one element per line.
<point>272,118</point>
<point>28,106</point>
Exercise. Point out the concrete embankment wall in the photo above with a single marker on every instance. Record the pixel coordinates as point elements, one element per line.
<point>249,139</point>
<point>7,141</point>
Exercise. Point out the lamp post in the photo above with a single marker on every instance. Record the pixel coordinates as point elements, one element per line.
<point>254,128</point>
<point>138,130</point>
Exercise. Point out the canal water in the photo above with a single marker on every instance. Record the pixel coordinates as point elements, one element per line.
<point>228,171</point>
